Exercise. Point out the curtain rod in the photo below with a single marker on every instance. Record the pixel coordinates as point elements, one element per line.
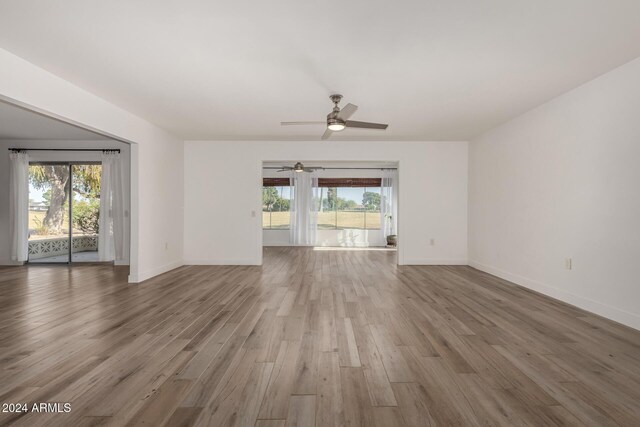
<point>64,149</point>
<point>321,168</point>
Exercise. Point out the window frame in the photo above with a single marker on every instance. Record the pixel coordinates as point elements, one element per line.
<point>336,210</point>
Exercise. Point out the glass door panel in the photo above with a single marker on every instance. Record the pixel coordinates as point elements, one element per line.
<point>49,236</point>
<point>85,212</point>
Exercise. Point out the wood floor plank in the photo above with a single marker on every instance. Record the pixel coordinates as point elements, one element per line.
<point>358,410</point>
<point>161,403</point>
<point>378,383</point>
<point>394,363</point>
<point>302,411</point>
<point>388,416</point>
<point>347,347</point>
<point>330,407</point>
<point>312,337</point>
<point>306,369</point>
<point>254,393</point>
<point>281,383</point>
<point>270,423</point>
<point>413,407</point>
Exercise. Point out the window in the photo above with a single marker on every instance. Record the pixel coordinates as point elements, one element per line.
<point>349,203</point>
<point>276,197</point>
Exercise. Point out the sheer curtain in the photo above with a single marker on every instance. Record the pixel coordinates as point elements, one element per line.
<point>19,204</point>
<point>389,203</point>
<point>304,208</point>
<point>111,224</point>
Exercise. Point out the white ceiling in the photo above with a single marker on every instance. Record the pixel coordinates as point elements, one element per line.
<point>207,69</point>
<point>16,123</point>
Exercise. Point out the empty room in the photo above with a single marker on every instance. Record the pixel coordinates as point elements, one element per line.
<point>288,213</point>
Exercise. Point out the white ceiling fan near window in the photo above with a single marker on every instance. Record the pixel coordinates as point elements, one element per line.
<point>299,167</point>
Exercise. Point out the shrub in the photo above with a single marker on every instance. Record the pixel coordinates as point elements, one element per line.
<point>86,216</point>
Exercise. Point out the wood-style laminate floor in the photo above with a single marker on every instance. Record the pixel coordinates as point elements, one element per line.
<point>310,338</point>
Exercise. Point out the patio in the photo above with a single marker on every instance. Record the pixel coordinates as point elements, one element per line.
<point>84,248</point>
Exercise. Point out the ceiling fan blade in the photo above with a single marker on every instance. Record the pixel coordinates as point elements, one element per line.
<point>327,133</point>
<point>347,111</point>
<point>282,170</point>
<point>302,123</point>
<point>308,170</point>
<point>365,125</point>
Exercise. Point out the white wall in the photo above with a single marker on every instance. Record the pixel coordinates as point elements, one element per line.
<point>156,158</point>
<point>49,156</point>
<point>223,182</point>
<point>563,181</point>
<point>160,207</point>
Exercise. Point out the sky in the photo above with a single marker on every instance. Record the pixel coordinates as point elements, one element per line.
<point>35,194</point>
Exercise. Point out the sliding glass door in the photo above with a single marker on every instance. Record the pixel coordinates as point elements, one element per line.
<point>85,211</point>
<point>49,237</point>
<point>64,208</point>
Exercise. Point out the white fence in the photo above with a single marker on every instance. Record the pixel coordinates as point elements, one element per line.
<point>55,246</point>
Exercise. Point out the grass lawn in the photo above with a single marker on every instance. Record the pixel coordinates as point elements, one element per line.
<point>328,220</point>
<point>36,218</point>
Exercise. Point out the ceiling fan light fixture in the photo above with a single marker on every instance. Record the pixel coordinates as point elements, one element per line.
<point>339,119</point>
<point>298,167</point>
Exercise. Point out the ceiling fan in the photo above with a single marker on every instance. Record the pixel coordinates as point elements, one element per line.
<point>299,167</point>
<point>338,119</point>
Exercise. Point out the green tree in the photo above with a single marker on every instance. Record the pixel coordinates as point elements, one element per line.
<point>86,215</point>
<point>330,202</point>
<point>281,205</point>
<point>55,180</point>
<point>86,180</point>
<point>269,197</point>
<point>371,201</point>
<point>344,204</point>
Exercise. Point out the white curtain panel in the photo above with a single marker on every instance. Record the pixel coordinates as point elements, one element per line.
<point>111,236</point>
<point>389,203</point>
<point>304,209</point>
<point>19,205</point>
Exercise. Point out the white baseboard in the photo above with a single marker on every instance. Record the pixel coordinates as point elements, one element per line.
<point>434,262</point>
<point>9,262</point>
<point>621,316</point>
<point>222,261</point>
<point>146,275</point>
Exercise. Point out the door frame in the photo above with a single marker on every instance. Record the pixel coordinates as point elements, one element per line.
<point>70,165</point>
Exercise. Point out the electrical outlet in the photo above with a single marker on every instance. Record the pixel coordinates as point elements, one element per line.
<point>432,242</point>
<point>166,245</point>
<point>253,214</point>
<point>568,263</point>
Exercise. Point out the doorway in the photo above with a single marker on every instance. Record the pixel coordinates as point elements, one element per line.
<point>351,204</point>
<point>64,212</point>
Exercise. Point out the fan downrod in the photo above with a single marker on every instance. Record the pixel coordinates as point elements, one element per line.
<point>335,98</point>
